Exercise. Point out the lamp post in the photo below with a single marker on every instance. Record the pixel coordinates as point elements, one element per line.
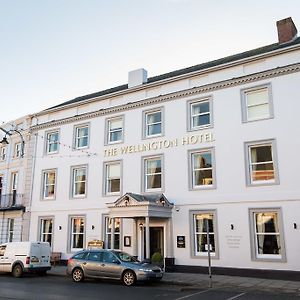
<point>4,141</point>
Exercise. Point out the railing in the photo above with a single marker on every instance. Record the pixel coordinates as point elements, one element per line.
<point>11,200</point>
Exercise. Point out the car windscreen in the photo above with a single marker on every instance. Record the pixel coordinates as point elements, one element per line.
<point>123,256</point>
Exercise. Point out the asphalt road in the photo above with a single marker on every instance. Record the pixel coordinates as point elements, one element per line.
<point>54,287</point>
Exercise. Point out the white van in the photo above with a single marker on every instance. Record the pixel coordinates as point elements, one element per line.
<point>19,257</point>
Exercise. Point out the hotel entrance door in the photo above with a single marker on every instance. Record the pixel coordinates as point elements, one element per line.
<point>156,241</point>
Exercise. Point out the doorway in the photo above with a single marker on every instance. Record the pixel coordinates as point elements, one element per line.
<point>156,241</point>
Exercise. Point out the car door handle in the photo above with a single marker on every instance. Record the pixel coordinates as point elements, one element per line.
<point>84,263</point>
<point>102,265</point>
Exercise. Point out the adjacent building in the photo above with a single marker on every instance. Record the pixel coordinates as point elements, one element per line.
<point>15,180</point>
<point>160,164</point>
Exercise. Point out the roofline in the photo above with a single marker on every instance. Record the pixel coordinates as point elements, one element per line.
<point>204,71</point>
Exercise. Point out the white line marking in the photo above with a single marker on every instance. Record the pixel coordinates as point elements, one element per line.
<point>188,296</point>
<point>237,296</point>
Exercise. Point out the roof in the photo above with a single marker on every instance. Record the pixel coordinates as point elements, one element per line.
<point>199,67</point>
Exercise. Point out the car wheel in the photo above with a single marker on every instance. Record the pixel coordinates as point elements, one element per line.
<point>128,278</point>
<point>77,275</point>
<point>17,271</point>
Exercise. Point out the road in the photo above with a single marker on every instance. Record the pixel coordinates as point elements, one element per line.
<point>61,288</point>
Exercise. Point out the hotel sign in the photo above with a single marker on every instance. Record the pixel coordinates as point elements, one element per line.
<point>160,144</point>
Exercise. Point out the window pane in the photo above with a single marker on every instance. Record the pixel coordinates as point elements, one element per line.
<point>115,124</point>
<point>201,243</point>
<point>154,129</point>
<point>82,142</point>
<point>115,136</point>
<point>261,153</point>
<point>84,131</point>
<point>203,177</point>
<point>50,178</point>
<point>202,160</point>
<point>153,166</point>
<point>113,186</point>
<point>114,170</point>
<point>263,172</point>
<point>200,108</point>
<point>267,222</point>
<point>201,120</point>
<point>80,175</point>
<point>257,97</point>
<point>78,225</point>
<point>154,181</point>
<point>258,111</point>
<point>80,188</point>
<point>153,117</point>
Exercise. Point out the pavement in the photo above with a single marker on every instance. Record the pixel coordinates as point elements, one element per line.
<point>223,282</point>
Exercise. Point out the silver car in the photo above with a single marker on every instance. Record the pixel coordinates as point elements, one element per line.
<point>111,264</point>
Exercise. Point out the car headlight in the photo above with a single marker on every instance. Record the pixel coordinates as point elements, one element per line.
<point>146,270</point>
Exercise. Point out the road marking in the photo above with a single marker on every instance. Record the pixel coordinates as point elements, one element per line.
<point>237,296</point>
<point>188,296</point>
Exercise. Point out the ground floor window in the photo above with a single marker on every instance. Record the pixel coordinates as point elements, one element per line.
<point>108,231</point>
<point>77,233</point>
<point>267,234</point>
<point>201,220</point>
<point>46,230</point>
<point>10,230</point>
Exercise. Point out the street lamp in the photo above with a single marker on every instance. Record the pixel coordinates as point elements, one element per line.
<point>4,141</point>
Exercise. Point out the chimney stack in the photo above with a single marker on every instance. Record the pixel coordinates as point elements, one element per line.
<point>137,77</point>
<point>287,30</point>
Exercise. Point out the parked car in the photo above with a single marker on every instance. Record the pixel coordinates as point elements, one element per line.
<point>111,264</point>
<point>20,257</point>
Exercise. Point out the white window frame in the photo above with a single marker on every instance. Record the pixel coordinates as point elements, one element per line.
<point>194,253</point>
<point>45,184</point>
<point>73,183</point>
<point>106,178</point>
<point>256,256</point>
<point>146,124</point>
<point>18,150</point>
<point>49,142</point>
<point>109,131</point>
<point>43,233</point>
<point>10,229</point>
<point>77,137</point>
<point>249,164</point>
<point>145,176</point>
<point>245,106</point>
<point>190,104</point>
<point>3,154</point>
<point>73,234</point>
<point>192,169</point>
<point>107,231</point>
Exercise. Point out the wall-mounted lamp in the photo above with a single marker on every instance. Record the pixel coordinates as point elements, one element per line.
<point>93,227</point>
<point>231,227</point>
<point>126,201</point>
<point>141,225</point>
<point>59,227</point>
<point>295,225</point>
<point>163,202</point>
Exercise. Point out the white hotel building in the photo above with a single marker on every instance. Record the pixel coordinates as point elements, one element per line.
<point>143,166</point>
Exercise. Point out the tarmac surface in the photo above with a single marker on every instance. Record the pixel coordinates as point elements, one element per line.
<point>194,281</point>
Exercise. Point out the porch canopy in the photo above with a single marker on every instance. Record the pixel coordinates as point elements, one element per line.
<point>141,207</point>
<point>135,205</point>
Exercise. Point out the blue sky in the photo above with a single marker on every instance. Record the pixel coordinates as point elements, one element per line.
<point>55,50</point>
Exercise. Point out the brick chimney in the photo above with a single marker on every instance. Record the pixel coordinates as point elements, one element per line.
<point>287,30</point>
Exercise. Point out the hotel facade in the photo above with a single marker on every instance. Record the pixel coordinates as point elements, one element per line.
<point>146,166</point>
